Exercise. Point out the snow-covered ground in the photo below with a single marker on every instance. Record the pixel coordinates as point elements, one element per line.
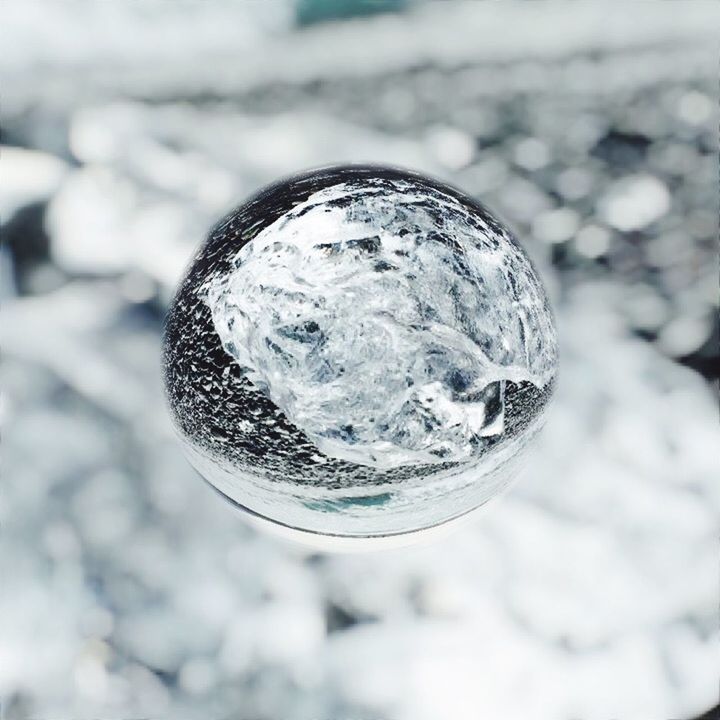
<point>129,589</point>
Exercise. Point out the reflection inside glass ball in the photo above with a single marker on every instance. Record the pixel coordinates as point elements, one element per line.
<point>359,352</point>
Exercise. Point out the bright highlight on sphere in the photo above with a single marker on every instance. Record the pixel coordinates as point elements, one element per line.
<point>359,352</point>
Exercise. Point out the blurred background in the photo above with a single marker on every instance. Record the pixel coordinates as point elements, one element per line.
<point>130,589</point>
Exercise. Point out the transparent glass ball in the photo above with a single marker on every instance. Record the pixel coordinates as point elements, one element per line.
<point>359,353</point>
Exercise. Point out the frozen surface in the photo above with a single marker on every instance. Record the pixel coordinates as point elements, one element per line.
<point>383,319</point>
<point>128,589</point>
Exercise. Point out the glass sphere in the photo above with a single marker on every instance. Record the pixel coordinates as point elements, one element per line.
<point>359,352</point>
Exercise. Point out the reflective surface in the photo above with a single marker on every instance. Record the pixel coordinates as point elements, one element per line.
<point>359,351</point>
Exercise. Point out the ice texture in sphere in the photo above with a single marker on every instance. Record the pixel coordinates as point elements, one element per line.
<point>359,351</point>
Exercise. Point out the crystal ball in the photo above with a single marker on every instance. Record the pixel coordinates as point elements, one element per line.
<point>359,352</point>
